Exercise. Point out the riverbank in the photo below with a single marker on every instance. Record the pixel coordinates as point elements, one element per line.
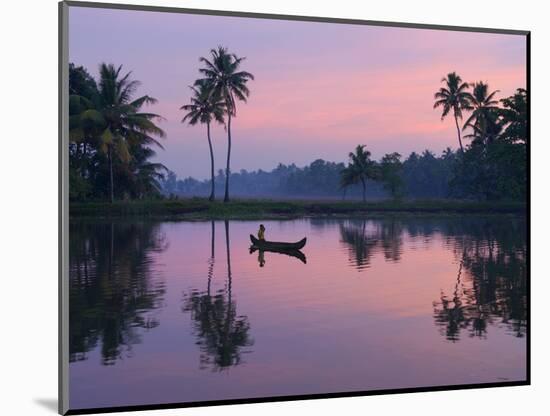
<point>196,208</point>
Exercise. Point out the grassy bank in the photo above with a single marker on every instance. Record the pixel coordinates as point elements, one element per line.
<point>200,208</point>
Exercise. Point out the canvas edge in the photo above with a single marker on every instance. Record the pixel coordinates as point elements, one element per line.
<point>528,216</point>
<point>275,16</point>
<point>63,206</point>
<point>304,397</point>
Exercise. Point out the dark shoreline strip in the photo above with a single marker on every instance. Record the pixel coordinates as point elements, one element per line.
<point>201,209</point>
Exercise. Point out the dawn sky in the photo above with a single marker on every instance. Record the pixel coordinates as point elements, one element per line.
<point>320,88</point>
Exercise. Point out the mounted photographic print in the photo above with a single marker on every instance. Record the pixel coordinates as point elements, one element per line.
<point>262,207</point>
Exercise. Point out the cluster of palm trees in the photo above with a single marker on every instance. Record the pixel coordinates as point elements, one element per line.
<point>214,99</point>
<point>487,120</point>
<point>106,120</point>
<point>490,120</point>
<point>361,168</point>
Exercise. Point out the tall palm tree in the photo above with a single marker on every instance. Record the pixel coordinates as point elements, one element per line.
<point>225,79</point>
<point>205,108</point>
<point>484,108</point>
<point>359,169</point>
<point>121,124</point>
<point>454,96</point>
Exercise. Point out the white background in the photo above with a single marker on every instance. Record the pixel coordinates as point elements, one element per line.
<point>28,192</point>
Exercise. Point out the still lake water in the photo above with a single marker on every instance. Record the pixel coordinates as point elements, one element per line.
<point>164,312</point>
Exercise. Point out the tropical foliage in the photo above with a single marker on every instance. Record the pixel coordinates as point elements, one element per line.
<point>111,137</point>
<point>453,97</point>
<point>390,173</point>
<point>483,117</point>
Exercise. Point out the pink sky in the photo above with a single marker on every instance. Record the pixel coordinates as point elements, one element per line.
<point>320,88</point>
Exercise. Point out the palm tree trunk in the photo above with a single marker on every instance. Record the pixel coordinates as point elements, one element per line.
<point>458,131</point>
<point>364,189</point>
<point>110,154</point>
<point>227,168</point>
<point>211,198</point>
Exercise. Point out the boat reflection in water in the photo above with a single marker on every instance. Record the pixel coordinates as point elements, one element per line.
<point>289,249</point>
<point>292,253</point>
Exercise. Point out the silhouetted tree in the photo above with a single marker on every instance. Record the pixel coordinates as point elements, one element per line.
<point>359,170</point>
<point>390,171</point>
<point>514,117</point>
<point>453,97</point>
<point>484,113</point>
<point>224,79</point>
<point>205,107</point>
<point>107,120</point>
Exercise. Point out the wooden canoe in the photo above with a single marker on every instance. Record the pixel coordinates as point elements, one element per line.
<point>277,245</point>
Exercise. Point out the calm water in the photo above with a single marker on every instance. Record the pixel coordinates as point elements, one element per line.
<point>165,312</point>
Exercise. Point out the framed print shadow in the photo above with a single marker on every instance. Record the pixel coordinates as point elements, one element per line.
<point>262,208</point>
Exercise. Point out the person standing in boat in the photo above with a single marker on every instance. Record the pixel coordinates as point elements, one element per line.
<point>261,233</point>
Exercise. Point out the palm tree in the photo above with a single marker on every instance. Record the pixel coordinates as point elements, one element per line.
<point>204,108</point>
<point>454,96</point>
<point>359,169</point>
<point>514,116</point>
<point>484,107</point>
<point>488,129</point>
<point>146,176</point>
<point>225,79</point>
<point>347,178</point>
<point>117,115</point>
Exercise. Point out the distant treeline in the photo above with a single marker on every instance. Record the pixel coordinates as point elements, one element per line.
<point>424,175</point>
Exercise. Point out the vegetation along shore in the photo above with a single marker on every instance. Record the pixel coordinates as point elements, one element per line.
<point>201,208</point>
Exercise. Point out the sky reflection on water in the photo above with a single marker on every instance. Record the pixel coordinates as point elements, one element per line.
<point>182,311</point>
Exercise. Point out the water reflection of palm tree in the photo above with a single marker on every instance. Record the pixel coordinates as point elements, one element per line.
<point>494,260</point>
<point>221,333</point>
<point>363,243</point>
<point>113,291</point>
<point>354,235</point>
<point>491,283</point>
<point>450,316</point>
<point>391,232</point>
<point>212,260</point>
